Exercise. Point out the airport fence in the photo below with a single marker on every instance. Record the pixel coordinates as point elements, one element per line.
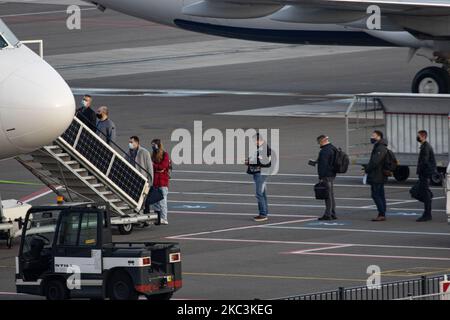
<point>424,287</point>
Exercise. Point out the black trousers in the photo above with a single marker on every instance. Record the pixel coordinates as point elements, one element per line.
<point>427,198</point>
<point>379,198</point>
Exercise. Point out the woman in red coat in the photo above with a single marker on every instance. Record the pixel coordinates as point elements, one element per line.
<point>161,170</point>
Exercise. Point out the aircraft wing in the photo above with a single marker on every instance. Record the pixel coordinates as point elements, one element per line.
<point>429,19</point>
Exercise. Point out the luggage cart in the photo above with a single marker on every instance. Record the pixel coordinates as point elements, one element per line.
<point>399,116</point>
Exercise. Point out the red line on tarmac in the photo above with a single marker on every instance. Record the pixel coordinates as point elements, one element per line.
<point>34,194</point>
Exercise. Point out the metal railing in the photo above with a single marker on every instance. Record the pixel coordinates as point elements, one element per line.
<point>408,289</point>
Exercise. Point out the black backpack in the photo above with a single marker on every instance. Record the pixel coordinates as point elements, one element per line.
<point>390,162</point>
<point>341,161</point>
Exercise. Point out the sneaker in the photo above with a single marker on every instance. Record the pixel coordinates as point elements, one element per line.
<point>164,222</point>
<point>325,218</point>
<point>424,218</point>
<point>379,218</point>
<point>334,217</point>
<point>260,218</point>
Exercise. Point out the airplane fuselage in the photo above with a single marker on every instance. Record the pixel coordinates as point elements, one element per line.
<point>36,104</point>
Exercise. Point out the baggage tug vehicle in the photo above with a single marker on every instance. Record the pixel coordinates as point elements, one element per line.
<point>66,251</point>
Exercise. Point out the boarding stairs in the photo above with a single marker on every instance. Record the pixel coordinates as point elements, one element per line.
<point>83,165</point>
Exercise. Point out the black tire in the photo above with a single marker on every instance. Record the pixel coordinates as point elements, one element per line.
<point>160,297</point>
<point>56,290</point>
<point>121,287</point>
<point>431,80</point>
<point>401,173</point>
<point>125,228</point>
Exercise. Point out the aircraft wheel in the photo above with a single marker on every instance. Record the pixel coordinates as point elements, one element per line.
<point>431,80</point>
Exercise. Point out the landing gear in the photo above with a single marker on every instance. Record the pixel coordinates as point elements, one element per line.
<point>433,80</point>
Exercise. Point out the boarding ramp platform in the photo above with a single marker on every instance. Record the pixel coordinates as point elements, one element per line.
<point>400,117</point>
<point>84,167</point>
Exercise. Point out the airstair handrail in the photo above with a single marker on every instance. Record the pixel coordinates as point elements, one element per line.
<point>105,169</point>
<point>80,115</point>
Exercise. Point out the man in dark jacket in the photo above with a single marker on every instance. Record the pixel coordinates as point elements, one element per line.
<point>85,113</point>
<point>426,167</point>
<point>376,176</point>
<point>327,174</point>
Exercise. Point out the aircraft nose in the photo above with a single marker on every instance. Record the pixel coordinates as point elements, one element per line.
<point>41,106</point>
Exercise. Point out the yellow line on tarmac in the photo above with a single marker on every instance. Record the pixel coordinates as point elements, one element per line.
<point>280,277</point>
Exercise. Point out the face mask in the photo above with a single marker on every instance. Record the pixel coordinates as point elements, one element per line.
<point>155,148</point>
<point>99,115</point>
<point>373,140</point>
<point>83,103</point>
<point>131,146</point>
<point>418,139</point>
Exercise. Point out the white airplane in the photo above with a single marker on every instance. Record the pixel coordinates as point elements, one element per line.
<point>36,104</point>
<point>416,24</point>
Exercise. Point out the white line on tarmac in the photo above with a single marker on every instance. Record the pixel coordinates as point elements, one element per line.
<point>278,174</point>
<point>329,254</point>
<point>401,202</point>
<point>362,230</point>
<point>305,243</point>
<point>322,248</point>
<point>242,214</point>
<point>40,13</point>
<point>290,183</point>
<point>240,228</point>
<point>291,205</point>
<point>272,196</point>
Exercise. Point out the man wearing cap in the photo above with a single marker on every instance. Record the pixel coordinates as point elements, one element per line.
<point>327,174</point>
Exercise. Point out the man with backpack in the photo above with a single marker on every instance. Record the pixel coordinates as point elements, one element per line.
<point>377,173</point>
<point>327,174</point>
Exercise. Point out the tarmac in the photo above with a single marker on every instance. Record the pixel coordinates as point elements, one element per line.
<point>156,79</point>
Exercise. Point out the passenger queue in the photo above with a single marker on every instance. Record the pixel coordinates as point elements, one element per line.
<point>156,166</point>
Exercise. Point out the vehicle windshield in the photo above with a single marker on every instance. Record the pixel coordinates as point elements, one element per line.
<point>40,231</point>
<point>7,38</point>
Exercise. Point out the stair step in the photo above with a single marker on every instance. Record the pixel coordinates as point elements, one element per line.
<point>62,155</point>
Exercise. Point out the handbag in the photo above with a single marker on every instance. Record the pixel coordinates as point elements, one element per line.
<point>417,192</point>
<point>155,195</point>
<point>321,191</point>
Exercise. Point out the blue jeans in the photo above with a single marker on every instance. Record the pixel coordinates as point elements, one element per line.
<point>379,198</point>
<point>161,206</point>
<point>260,184</point>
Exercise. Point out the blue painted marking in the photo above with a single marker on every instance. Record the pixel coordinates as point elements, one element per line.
<point>403,214</point>
<point>328,224</point>
<point>191,206</point>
